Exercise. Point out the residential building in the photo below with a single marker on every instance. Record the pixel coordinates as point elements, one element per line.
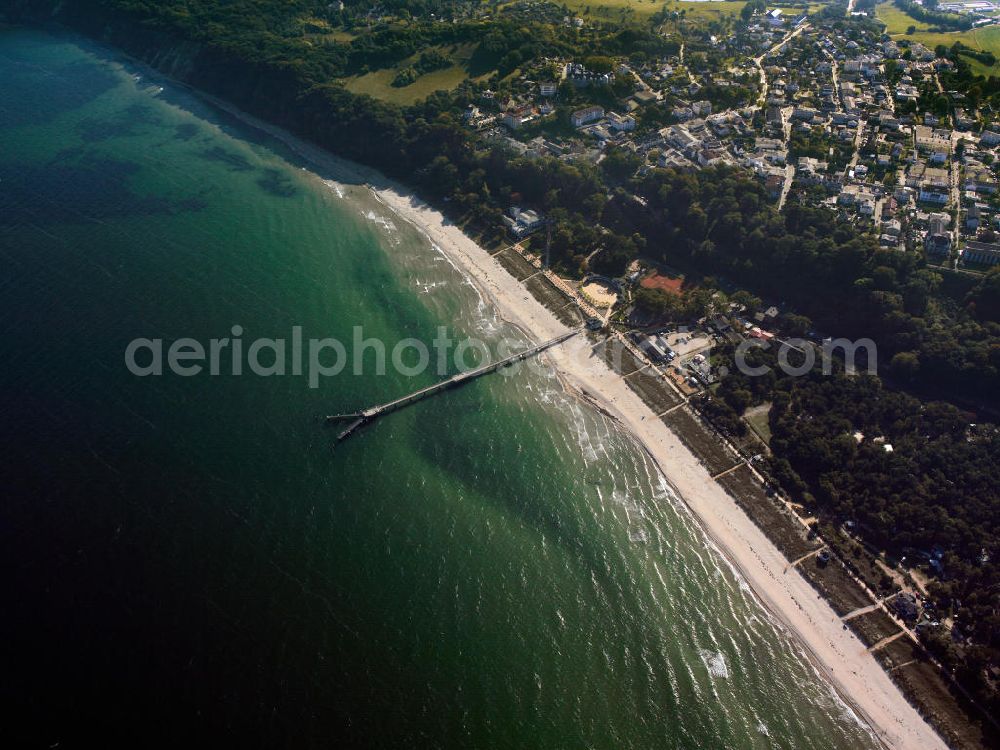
<point>513,118</point>
<point>984,253</point>
<point>972,217</point>
<point>931,183</point>
<point>621,123</point>
<point>702,108</point>
<point>929,140</point>
<point>938,239</point>
<point>979,180</point>
<point>989,138</point>
<point>585,115</point>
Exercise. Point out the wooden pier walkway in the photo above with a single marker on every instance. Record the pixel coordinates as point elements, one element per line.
<point>360,418</point>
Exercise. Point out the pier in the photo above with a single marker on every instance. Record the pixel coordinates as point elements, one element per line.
<point>358,419</point>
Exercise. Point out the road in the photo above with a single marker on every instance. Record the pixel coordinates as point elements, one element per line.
<point>789,176</point>
<point>835,75</point>
<point>786,125</point>
<point>759,60</point>
<point>857,143</point>
<point>643,86</point>
<point>955,178</point>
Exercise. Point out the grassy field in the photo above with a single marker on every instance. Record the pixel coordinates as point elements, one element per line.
<point>379,83</point>
<point>700,440</point>
<point>987,39</point>
<point>896,21</point>
<point>640,10</point>
<point>759,421</point>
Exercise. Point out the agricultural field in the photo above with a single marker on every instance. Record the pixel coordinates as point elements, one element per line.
<point>378,83</point>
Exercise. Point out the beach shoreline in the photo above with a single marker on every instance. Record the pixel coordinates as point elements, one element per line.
<point>834,650</point>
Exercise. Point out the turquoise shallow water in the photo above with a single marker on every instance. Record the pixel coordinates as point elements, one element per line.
<point>496,567</point>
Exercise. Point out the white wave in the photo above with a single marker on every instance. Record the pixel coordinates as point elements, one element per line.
<point>335,187</point>
<point>382,221</point>
<point>639,536</point>
<point>429,286</point>
<point>716,663</point>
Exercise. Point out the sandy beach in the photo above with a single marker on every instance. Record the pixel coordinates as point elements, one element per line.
<point>834,650</point>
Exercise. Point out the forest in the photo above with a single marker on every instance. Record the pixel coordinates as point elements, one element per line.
<point>913,479</point>
<point>937,19</point>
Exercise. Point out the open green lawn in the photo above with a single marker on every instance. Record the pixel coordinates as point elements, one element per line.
<point>379,83</point>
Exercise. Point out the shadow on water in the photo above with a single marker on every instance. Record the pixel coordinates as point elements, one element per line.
<point>64,192</point>
<point>130,122</point>
<point>276,183</point>
<point>234,161</point>
<point>186,131</point>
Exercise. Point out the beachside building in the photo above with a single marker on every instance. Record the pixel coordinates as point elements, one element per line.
<point>521,223</point>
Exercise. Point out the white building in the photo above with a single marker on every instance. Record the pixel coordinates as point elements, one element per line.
<point>585,115</point>
<point>521,223</point>
<point>702,108</point>
<point>621,123</point>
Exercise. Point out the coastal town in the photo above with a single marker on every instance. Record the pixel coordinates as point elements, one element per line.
<point>845,122</point>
